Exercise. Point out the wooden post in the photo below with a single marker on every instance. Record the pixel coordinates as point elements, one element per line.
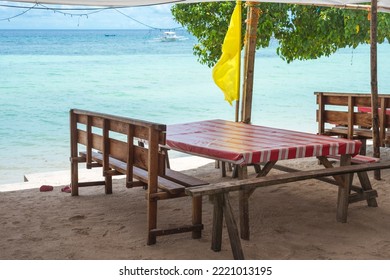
<point>249,60</point>
<point>236,115</point>
<point>106,157</point>
<point>152,184</point>
<point>74,164</point>
<point>231,225</point>
<point>197,216</point>
<point>216,237</point>
<point>374,84</point>
<point>344,190</point>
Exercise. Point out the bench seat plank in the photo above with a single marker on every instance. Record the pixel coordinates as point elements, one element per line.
<point>358,159</point>
<point>357,132</point>
<point>183,179</point>
<point>237,185</point>
<point>139,173</point>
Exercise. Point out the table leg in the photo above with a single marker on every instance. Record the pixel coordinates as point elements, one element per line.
<point>366,186</point>
<point>222,207</point>
<point>244,204</point>
<point>244,197</point>
<point>223,168</point>
<point>197,216</point>
<point>244,214</point>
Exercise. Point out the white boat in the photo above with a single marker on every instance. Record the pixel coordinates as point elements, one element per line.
<point>170,36</point>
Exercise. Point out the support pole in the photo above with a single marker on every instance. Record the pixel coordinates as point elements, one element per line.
<point>236,114</point>
<point>374,84</point>
<point>249,60</point>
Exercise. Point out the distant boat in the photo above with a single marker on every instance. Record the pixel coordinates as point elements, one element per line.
<point>109,35</point>
<point>170,36</point>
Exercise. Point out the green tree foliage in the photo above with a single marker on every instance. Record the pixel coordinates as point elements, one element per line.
<point>303,32</point>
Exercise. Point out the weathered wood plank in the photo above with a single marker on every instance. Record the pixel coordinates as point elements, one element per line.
<point>183,179</point>
<point>140,174</point>
<point>323,179</point>
<point>197,216</point>
<point>366,186</point>
<point>185,228</point>
<point>82,115</point>
<point>235,242</point>
<point>236,185</point>
<point>344,189</point>
<point>216,233</point>
<point>73,155</point>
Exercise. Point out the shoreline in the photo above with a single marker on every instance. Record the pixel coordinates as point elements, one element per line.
<point>61,178</point>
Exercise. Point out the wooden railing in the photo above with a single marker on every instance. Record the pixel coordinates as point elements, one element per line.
<point>349,115</point>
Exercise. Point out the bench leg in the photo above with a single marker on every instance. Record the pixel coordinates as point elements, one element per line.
<point>152,221</point>
<point>74,178</point>
<point>108,184</point>
<point>377,175</point>
<point>197,216</point>
<point>216,236</point>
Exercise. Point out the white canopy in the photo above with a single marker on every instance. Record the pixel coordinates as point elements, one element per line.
<point>383,5</point>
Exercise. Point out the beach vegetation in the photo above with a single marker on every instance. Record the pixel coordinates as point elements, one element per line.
<point>301,32</point>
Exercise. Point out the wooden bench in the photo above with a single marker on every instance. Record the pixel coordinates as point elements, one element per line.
<point>341,114</point>
<point>220,196</point>
<point>358,159</point>
<point>124,146</point>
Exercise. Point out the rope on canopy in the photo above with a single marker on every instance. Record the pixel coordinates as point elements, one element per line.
<point>68,12</point>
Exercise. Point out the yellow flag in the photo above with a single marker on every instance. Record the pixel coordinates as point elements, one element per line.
<point>226,73</point>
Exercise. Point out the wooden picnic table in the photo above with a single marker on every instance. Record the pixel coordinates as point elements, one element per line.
<point>246,144</point>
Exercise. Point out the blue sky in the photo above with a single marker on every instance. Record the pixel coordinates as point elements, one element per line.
<point>157,16</point>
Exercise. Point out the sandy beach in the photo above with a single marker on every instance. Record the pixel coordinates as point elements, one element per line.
<point>290,221</point>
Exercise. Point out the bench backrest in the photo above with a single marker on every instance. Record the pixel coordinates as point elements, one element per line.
<point>135,142</point>
<point>350,110</point>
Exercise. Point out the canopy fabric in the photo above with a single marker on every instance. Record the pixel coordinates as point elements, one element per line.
<point>383,5</point>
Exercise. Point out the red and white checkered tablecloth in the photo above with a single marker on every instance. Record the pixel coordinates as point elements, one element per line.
<point>245,144</point>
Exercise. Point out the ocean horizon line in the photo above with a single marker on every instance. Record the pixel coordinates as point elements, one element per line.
<point>97,29</point>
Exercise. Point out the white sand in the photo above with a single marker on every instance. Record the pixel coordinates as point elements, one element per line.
<point>289,221</point>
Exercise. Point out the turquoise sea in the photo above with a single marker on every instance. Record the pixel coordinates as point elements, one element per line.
<point>44,73</point>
